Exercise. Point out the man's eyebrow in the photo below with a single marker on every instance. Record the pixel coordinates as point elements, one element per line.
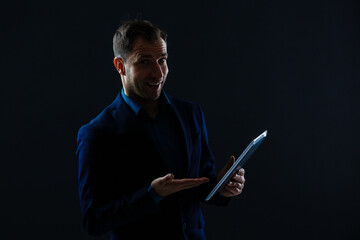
<point>151,56</point>
<point>145,56</point>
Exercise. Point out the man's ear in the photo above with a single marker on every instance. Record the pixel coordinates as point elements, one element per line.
<point>119,65</point>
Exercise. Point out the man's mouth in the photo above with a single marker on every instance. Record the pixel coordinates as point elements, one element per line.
<point>153,84</point>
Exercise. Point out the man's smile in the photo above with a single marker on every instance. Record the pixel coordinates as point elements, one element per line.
<point>154,84</point>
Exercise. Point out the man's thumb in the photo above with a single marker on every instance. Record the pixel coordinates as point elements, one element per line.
<point>230,162</point>
<point>167,178</point>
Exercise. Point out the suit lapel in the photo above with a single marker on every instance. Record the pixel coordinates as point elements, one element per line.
<point>127,121</point>
<point>130,126</point>
<point>180,113</point>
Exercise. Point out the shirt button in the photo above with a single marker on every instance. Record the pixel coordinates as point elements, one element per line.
<point>184,226</point>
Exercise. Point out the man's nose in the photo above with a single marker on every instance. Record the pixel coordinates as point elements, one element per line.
<point>157,72</point>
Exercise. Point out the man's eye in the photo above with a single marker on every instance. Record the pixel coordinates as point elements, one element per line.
<point>144,61</point>
<point>162,60</point>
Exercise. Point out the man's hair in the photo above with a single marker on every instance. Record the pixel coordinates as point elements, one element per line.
<point>126,34</point>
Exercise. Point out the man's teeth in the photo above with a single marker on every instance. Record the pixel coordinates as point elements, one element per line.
<point>153,84</point>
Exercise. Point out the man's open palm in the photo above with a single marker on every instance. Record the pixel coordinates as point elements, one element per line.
<point>167,185</point>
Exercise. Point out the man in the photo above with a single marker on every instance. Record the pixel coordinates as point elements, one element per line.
<point>144,163</point>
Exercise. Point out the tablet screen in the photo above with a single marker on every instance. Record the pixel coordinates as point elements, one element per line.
<point>239,163</point>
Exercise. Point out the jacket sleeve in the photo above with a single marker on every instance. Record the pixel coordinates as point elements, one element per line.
<point>101,213</point>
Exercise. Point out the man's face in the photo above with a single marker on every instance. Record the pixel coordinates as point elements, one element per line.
<point>146,70</point>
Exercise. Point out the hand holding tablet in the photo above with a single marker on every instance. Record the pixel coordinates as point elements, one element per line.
<point>239,163</point>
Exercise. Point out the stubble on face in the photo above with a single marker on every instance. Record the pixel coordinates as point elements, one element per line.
<point>146,71</point>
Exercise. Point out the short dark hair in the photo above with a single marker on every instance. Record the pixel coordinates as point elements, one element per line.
<point>126,34</point>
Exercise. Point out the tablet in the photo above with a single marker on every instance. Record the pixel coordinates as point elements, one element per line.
<point>239,163</point>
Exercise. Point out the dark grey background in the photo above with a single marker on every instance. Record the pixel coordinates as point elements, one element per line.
<point>291,67</point>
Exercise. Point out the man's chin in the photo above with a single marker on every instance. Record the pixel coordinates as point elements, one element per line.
<point>151,96</point>
<point>154,96</point>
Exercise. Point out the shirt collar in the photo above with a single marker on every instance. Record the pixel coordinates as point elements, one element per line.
<point>135,107</point>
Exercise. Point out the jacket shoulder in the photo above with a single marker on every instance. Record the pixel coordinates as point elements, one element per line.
<point>96,126</point>
<point>101,121</point>
<point>185,104</point>
<point>105,120</point>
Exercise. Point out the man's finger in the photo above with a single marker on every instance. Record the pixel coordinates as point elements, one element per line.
<point>230,162</point>
<point>238,178</point>
<point>241,172</point>
<point>181,184</point>
<point>235,184</point>
<point>189,182</point>
<point>234,190</point>
<point>226,192</point>
<point>226,167</point>
<point>167,178</point>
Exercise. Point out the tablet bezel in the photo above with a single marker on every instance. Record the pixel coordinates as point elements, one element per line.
<point>239,163</point>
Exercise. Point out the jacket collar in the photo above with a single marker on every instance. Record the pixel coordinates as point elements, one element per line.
<point>136,108</point>
<point>129,123</point>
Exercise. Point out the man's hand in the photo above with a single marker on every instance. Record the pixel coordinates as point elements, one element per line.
<point>236,185</point>
<point>167,185</point>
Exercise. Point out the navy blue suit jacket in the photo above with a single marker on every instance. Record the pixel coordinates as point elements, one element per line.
<point>118,162</point>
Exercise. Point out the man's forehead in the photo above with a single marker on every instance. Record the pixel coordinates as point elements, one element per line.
<point>142,48</point>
